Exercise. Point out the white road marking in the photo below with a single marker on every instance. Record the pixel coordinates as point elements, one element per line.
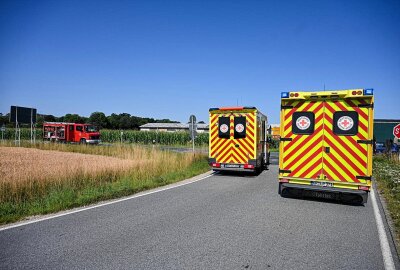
<point>103,204</point>
<point>385,247</point>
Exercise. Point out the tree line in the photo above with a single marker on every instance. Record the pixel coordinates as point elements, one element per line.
<point>113,121</point>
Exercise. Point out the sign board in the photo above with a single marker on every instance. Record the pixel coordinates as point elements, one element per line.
<point>192,126</point>
<point>3,128</point>
<point>22,115</point>
<point>192,119</point>
<point>396,131</point>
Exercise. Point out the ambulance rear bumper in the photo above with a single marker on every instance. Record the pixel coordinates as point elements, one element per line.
<point>234,169</point>
<point>342,194</point>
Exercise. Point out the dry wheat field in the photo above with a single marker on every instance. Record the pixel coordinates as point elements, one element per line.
<point>23,164</point>
<point>30,172</point>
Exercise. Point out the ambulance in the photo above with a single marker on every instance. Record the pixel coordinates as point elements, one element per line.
<point>238,139</point>
<point>326,144</point>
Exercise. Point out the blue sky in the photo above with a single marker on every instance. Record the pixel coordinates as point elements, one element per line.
<point>170,59</point>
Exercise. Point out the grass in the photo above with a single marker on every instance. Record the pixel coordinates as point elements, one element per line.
<point>387,175</point>
<point>47,178</point>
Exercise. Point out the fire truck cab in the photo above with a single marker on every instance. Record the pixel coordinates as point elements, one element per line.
<point>71,132</point>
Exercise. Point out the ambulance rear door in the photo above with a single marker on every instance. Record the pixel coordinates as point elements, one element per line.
<point>347,144</point>
<point>302,134</point>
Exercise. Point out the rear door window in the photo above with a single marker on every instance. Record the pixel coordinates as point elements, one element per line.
<point>240,127</point>
<point>303,123</point>
<point>345,123</point>
<point>223,127</point>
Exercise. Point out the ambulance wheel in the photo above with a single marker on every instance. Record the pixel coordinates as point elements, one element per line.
<point>283,192</point>
<point>83,141</point>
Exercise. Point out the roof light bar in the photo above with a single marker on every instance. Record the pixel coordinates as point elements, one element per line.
<point>285,95</point>
<point>368,92</point>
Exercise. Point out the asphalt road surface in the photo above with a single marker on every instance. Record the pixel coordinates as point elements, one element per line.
<point>221,222</point>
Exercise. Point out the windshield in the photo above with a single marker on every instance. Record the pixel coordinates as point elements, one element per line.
<point>91,129</point>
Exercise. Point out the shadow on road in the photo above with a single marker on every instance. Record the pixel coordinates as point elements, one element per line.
<point>343,200</point>
<point>237,174</point>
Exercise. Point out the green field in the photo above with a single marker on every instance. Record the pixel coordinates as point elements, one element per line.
<point>387,175</point>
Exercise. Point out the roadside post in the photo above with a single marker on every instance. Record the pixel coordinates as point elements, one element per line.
<point>3,129</point>
<point>192,129</point>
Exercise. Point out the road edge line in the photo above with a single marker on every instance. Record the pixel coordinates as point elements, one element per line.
<point>134,196</point>
<point>383,239</point>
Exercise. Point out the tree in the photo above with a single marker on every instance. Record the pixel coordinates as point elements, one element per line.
<point>125,121</point>
<point>113,121</point>
<point>74,118</point>
<point>4,119</point>
<point>99,119</point>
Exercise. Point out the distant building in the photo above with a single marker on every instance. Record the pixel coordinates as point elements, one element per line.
<point>383,129</point>
<point>172,127</point>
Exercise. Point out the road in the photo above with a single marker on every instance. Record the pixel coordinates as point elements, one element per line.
<point>221,222</point>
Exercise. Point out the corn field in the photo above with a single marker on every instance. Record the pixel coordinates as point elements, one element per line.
<point>127,136</point>
<point>149,137</point>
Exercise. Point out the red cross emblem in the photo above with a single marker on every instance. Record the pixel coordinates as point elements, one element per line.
<point>239,128</point>
<point>303,122</point>
<point>223,128</point>
<point>345,123</point>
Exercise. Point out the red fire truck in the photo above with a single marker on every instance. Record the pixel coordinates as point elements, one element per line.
<point>70,132</point>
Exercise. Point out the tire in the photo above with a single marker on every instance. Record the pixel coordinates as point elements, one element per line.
<point>82,141</point>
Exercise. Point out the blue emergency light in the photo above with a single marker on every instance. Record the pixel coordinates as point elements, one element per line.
<point>368,92</point>
<point>285,95</point>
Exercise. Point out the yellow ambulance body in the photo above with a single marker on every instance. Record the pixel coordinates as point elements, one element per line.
<point>326,144</point>
<point>238,139</point>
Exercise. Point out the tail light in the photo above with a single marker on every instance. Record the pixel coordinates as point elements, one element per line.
<point>283,180</point>
<point>363,188</point>
<point>359,92</point>
<point>216,165</point>
<point>248,166</point>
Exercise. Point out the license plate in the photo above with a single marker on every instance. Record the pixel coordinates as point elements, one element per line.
<point>232,166</point>
<point>321,184</point>
<point>321,195</point>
